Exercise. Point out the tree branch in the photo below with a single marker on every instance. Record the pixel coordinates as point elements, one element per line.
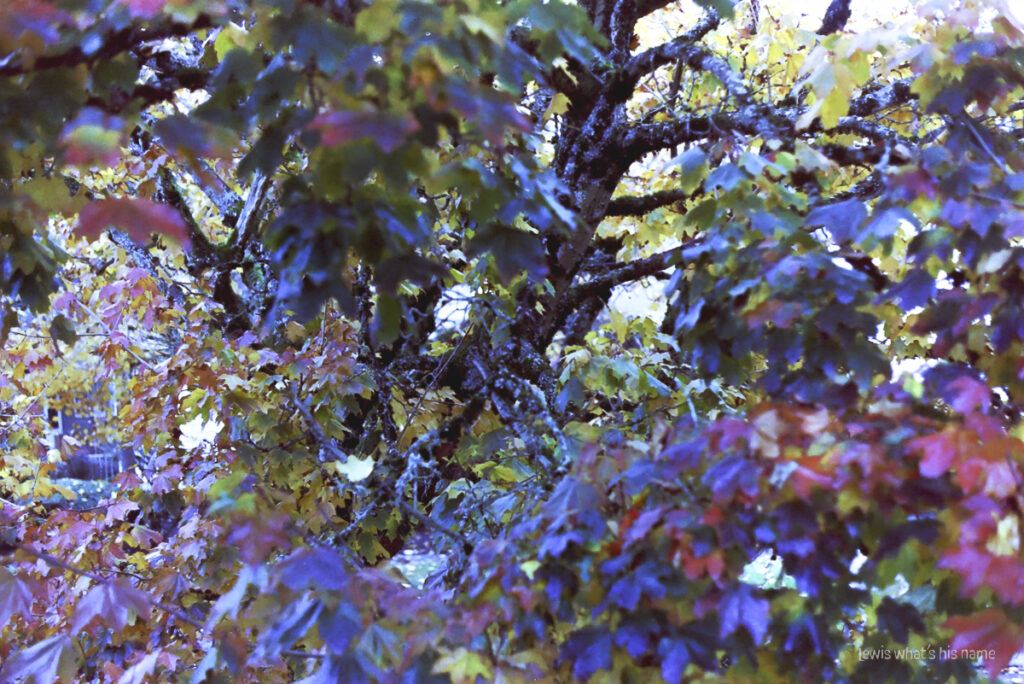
<point>113,45</point>
<point>836,16</point>
<point>247,225</point>
<point>634,270</point>
<point>638,205</point>
<point>639,140</point>
<point>141,256</point>
<point>683,49</point>
<point>882,98</point>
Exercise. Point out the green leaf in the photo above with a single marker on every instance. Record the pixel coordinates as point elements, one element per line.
<point>387,324</point>
<point>63,330</point>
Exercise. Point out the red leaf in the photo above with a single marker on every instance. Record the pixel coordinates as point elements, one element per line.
<point>970,395</point>
<point>44,662</point>
<point>144,9</point>
<point>387,130</point>
<point>939,451</point>
<point>139,217</point>
<point>970,564</point>
<point>642,526</point>
<point>19,17</point>
<point>1006,577</point>
<point>111,602</point>
<point>988,632</point>
<point>15,597</point>
<point>120,510</point>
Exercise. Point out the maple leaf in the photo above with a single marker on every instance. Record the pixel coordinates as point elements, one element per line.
<point>15,597</point>
<point>387,130</point>
<point>42,663</point>
<point>137,673</point>
<point>112,603</point>
<point>139,217</point>
<point>970,395</point>
<point>971,564</point>
<point>938,449</point>
<point>741,608</point>
<point>989,632</point>
<point>642,526</point>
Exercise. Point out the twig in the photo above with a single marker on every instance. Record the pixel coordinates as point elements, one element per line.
<point>434,525</point>
<point>430,385</point>
<point>56,562</point>
<point>110,332</point>
<point>314,426</point>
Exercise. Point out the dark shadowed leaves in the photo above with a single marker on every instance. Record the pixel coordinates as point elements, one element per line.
<point>899,619</point>
<point>513,250</point>
<point>589,650</point>
<point>317,568</point>
<point>732,473</point>
<point>842,219</point>
<point>740,608</point>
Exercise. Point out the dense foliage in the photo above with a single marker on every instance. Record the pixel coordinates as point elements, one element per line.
<point>374,246</point>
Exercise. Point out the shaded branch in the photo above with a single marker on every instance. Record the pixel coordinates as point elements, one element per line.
<point>882,98</point>
<point>683,49</point>
<point>634,270</point>
<point>638,205</point>
<point>247,225</point>
<point>639,140</point>
<point>142,258</point>
<point>113,45</point>
<point>434,525</point>
<point>836,16</point>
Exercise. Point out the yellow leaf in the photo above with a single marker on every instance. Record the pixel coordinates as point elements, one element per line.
<point>463,666</point>
<point>1006,541</point>
<point>559,105</point>
<point>529,567</point>
<point>229,38</point>
<point>504,474</point>
<point>377,21</point>
<point>834,106</point>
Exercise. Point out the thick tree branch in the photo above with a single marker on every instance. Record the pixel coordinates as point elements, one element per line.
<point>639,140</point>
<point>638,205</point>
<point>836,16</point>
<point>247,225</point>
<point>646,7</point>
<point>885,97</point>
<point>683,49</point>
<point>630,272</point>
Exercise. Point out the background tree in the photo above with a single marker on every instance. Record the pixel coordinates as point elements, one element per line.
<point>375,243</point>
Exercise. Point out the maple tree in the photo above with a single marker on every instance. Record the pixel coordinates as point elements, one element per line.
<point>374,244</point>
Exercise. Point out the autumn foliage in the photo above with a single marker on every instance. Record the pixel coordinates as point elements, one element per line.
<point>379,249</point>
